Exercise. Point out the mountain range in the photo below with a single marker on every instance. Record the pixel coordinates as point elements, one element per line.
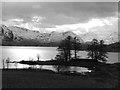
<point>14,35</point>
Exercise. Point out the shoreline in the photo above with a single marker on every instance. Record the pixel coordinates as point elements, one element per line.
<point>103,77</point>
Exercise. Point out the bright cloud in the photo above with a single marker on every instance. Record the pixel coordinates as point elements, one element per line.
<point>37,19</point>
<point>81,18</point>
<point>102,28</point>
<point>92,23</point>
<point>29,26</point>
<point>33,24</point>
<point>17,20</point>
<point>11,22</point>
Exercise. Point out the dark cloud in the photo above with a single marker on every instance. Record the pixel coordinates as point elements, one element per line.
<point>59,12</point>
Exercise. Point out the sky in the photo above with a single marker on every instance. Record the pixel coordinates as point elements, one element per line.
<point>80,17</point>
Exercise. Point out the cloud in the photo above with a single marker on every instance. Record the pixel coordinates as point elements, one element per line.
<point>16,20</point>
<point>79,17</point>
<point>102,28</point>
<point>36,6</point>
<point>92,23</point>
<point>60,13</point>
<point>29,26</point>
<point>37,19</point>
<point>13,21</point>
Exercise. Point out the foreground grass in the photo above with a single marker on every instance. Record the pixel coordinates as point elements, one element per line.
<point>48,79</point>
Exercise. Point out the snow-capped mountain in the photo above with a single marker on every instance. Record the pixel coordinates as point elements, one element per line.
<point>21,34</point>
<point>107,37</point>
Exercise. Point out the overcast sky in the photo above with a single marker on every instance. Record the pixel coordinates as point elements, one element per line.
<point>80,17</point>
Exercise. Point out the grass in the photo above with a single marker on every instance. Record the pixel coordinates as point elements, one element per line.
<point>48,79</point>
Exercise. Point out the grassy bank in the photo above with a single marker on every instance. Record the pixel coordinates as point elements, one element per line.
<point>48,79</point>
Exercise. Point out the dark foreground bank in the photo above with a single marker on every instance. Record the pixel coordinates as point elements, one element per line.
<point>49,79</point>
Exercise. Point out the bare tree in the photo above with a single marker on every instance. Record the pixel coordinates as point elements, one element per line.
<point>38,57</point>
<point>7,62</point>
<point>3,62</point>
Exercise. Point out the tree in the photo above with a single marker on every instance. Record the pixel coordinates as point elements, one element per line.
<point>76,45</point>
<point>7,62</point>
<point>65,48</point>
<point>92,49</point>
<point>97,51</point>
<point>3,61</point>
<point>38,57</point>
<point>102,52</point>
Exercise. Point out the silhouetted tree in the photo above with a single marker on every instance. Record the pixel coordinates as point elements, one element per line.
<point>76,45</point>
<point>102,52</point>
<point>97,50</point>
<point>38,57</point>
<point>64,54</point>
<point>93,49</point>
<point>3,61</point>
<point>7,62</point>
<point>65,48</point>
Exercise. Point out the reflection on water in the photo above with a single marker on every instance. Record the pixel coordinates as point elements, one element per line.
<point>25,53</point>
<point>45,53</point>
<point>72,69</point>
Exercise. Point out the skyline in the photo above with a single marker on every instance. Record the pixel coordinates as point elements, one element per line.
<point>100,18</point>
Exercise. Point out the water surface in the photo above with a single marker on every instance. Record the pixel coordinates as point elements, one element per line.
<point>46,53</point>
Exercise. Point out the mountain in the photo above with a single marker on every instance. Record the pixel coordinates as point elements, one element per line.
<point>17,36</point>
<point>114,47</point>
<point>88,36</point>
<point>58,36</point>
<point>29,34</point>
<point>6,33</point>
<point>21,36</point>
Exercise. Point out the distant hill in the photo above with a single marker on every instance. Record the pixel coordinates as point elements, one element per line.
<point>114,47</point>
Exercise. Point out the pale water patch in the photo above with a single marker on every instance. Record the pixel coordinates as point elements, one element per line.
<point>26,53</point>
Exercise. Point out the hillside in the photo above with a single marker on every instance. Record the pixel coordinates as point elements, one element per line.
<point>20,36</point>
<point>114,47</point>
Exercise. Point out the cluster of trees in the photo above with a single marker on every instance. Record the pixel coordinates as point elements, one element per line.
<point>65,48</point>
<point>96,50</point>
